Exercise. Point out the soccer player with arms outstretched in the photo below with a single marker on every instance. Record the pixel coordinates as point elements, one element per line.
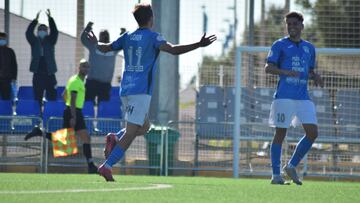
<point>141,49</point>
<point>293,59</point>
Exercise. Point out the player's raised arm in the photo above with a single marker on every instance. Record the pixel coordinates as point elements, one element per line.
<point>181,49</point>
<point>102,47</point>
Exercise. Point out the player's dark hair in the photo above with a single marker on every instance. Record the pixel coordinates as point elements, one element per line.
<point>42,26</point>
<point>3,34</point>
<point>294,14</point>
<point>142,13</point>
<point>104,36</point>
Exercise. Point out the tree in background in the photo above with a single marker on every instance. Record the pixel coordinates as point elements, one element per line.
<point>335,23</point>
<point>332,23</point>
<point>264,34</point>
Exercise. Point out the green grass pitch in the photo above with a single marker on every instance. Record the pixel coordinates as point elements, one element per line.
<point>49,188</point>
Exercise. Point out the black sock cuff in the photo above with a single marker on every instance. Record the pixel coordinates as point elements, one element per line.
<point>87,151</point>
<point>48,136</point>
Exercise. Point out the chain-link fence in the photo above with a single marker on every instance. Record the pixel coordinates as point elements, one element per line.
<point>207,80</point>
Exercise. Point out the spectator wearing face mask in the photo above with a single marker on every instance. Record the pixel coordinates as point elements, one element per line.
<point>43,63</point>
<point>8,68</point>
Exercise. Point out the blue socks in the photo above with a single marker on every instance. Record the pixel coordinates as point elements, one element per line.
<point>301,149</point>
<point>120,133</point>
<point>275,153</point>
<point>115,156</point>
<point>117,153</point>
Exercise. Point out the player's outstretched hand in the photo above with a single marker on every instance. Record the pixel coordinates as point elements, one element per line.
<point>205,41</point>
<point>89,25</point>
<point>92,38</point>
<point>37,15</point>
<point>48,13</point>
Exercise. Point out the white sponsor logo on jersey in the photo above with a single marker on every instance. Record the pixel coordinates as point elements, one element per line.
<point>306,49</point>
<point>135,37</point>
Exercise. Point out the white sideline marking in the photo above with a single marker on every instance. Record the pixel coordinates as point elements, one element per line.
<point>150,187</point>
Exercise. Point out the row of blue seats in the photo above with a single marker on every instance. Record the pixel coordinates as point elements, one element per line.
<point>27,92</point>
<point>106,109</point>
<point>24,124</point>
<point>216,105</point>
<point>31,109</point>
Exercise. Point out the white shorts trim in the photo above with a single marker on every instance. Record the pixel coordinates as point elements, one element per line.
<point>286,112</point>
<point>136,108</point>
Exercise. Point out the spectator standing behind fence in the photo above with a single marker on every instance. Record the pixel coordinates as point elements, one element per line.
<point>8,68</point>
<point>293,59</point>
<point>74,96</point>
<point>141,49</point>
<point>43,63</point>
<point>98,82</point>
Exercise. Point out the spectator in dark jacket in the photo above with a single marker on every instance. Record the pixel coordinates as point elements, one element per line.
<point>43,63</point>
<point>8,67</point>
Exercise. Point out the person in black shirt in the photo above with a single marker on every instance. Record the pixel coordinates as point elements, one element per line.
<point>8,68</point>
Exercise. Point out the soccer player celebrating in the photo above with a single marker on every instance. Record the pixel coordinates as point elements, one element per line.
<point>141,49</point>
<point>293,59</point>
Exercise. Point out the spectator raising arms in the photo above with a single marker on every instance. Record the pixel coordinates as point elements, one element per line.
<point>43,63</point>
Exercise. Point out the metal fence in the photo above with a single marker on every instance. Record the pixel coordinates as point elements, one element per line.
<point>183,148</point>
<point>14,150</point>
<point>145,152</point>
<point>199,150</point>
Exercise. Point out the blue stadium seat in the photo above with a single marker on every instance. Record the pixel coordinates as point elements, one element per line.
<point>27,108</point>
<point>210,112</point>
<point>59,91</point>
<point>89,113</point>
<point>25,93</point>
<point>230,104</point>
<point>6,108</point>
<point>115,99</point>
<point>109,113</point>
<point>6,111</point>
<point>210,104</point>
<point>115,91</point>
<point>323,104</point>
<point>114,94</point>
<point>53,109</point>
<point>109,109</point>
<point>324,114</point>
<point>348,114</point>
<point>88,109</point>
<point>259,103</point>
<point>244,107</point>
<point>28,115</point>
<point>262,99</point>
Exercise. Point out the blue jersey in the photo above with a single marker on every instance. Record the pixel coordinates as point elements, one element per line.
<point>141,49</point>
<point>296,56</point>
